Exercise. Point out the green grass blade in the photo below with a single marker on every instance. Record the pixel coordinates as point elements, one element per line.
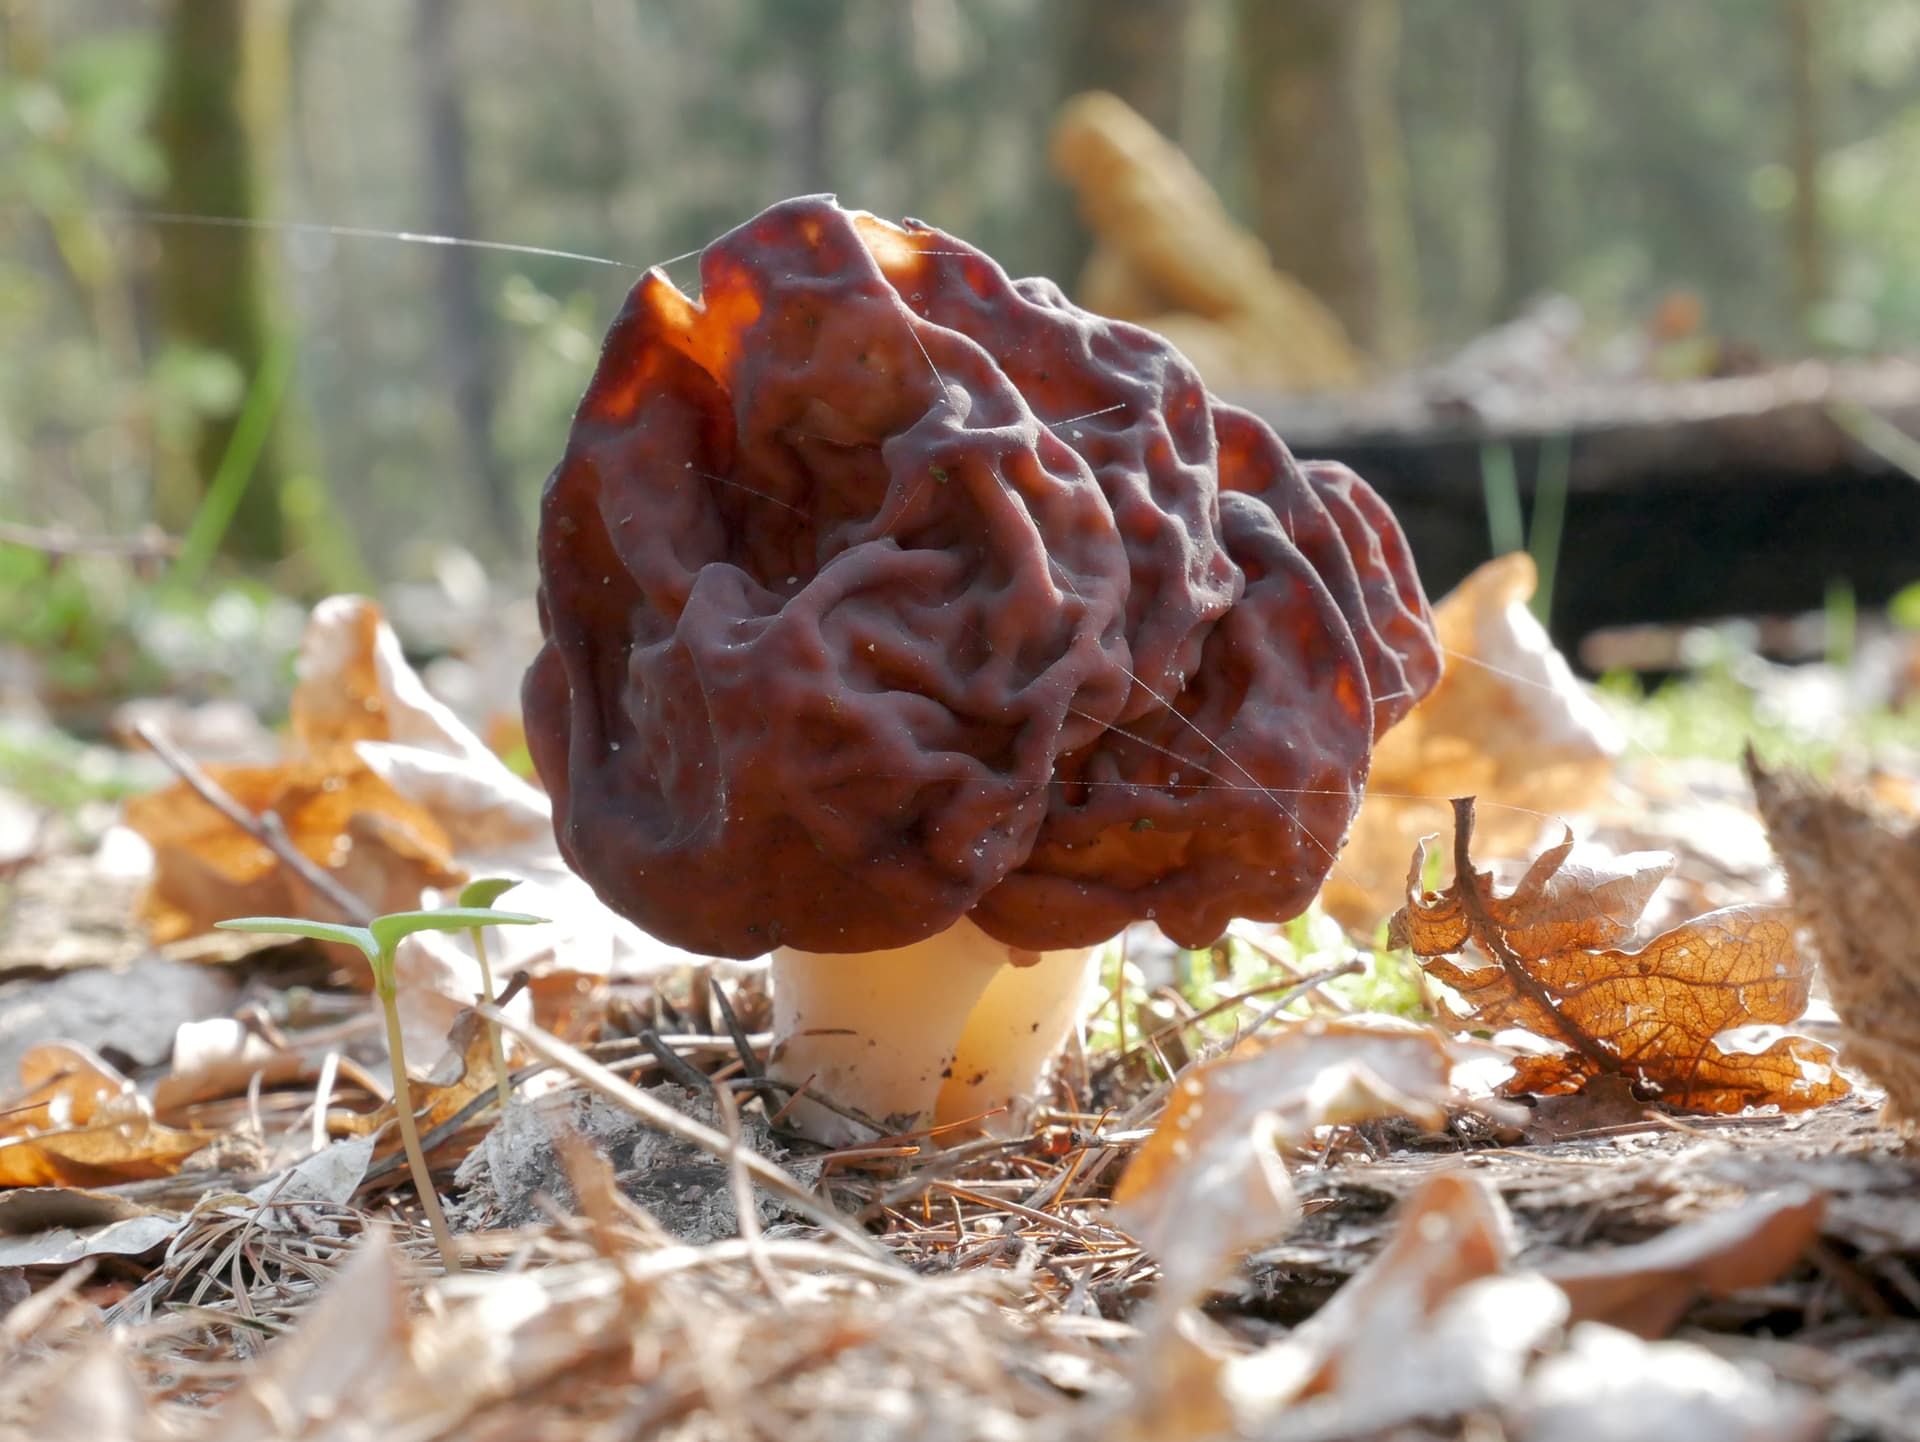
<point>235,472</point>
<point>1551,477</point>
<point>1500,492</point>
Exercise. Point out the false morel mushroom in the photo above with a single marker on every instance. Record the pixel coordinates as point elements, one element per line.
<point>910,623</point>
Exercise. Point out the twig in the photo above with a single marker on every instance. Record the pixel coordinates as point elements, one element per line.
<point>265,829</point>
<point>1352,966</point>
<point>657,1114</point>
<point>748,1057</point>
<point>148,543</point>
<point>1089,1235</point>
<point>746,1207</point>
<point>675,1065</point>
<point>1486,930</point>
<point>1295,987</point>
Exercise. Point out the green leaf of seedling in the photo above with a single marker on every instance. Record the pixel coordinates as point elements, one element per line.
<point>359,936</point>
<point>487,890</point>
<point>388,930</point>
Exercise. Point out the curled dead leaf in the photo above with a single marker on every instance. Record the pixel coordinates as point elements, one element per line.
<point>382,847</point>
<point>1209,1183</point>
<point>1854,876</point>
<point>58,1226</point>
<point>1434,1326</point>
<point>1543,960</point>
<point>1508,721</point>
<point>464,1072</point>
<point>79,1123</point>
<point>1644,1289</point>
<point>1441,1325</point>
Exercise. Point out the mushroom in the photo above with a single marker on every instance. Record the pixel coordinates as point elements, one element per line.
<point>918,627</point>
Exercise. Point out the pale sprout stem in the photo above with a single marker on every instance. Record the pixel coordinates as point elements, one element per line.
<point>493,1028</point>
<point>410,1133</point>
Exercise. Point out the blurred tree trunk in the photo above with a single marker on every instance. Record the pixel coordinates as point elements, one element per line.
<point>1806,240</point>
<point>1138,50</point>
<point>1135,48</point>
<point>1523,240</point>
<point>469,349</point>
<point>220,114</point>
<point>1329,185</point>
<point>807,39</point>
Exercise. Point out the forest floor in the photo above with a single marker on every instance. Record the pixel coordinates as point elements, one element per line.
<point>207,1228</point>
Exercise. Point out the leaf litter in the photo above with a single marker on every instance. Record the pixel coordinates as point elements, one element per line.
<point>1853,869</point>
<point>1545,959</point>
<point>1133,1265</point>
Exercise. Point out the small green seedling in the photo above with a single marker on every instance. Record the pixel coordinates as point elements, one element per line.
<point>475,895</point>
<point>378,940</point>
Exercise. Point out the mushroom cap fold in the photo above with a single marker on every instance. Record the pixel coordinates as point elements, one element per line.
<point>881,590</point>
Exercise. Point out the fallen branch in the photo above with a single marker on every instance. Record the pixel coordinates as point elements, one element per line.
<point>265,828</point>
<point>56,543</point>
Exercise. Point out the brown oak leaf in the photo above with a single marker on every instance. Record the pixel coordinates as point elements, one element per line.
<point>1547,958</point>
<point>1854,877</point>
<point>77,1122</point>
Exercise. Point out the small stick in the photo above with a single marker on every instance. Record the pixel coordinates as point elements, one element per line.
<point>748,1058</point>
<point>266,829</point>
<point>1295,987</point>
<point>1352,966</point>
<point>746,1208</point>
<point>1048,1220</point>
<point>149,543</point>
<point>675,1065</point>
<point>323,1098</point>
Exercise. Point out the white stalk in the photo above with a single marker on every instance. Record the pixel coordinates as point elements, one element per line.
<point>929,1034</point>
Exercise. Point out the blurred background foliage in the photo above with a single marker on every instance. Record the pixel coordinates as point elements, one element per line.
<point>324,397</point>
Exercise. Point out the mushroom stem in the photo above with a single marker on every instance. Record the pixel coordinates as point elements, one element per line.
<point>934,1033</point>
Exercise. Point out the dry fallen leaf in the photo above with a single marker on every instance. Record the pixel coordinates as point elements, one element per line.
<point>1609,1386</point>
<point>78,1123</point>
<point>1433,1327</point>
<point>220,1057</point>
<point>97,1395</point>
<point>58,1226</point>
<point>336,807</point>
<point>1854,877</point>
<point>1210,1184</point>
<point>380,846</point>
<point>387,788</point>
<point>1439,1326</point>
<point>1509,722</point>
<point>464,1072</point>
<point>1548,965</point>
<point>1644,1289</point>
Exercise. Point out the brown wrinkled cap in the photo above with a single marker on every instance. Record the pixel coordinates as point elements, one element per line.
<point>880,590</point>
